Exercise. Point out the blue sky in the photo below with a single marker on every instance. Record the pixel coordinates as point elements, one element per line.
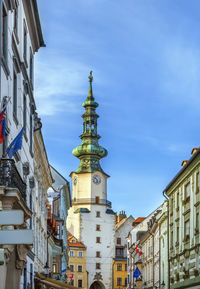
<point>145,57</point>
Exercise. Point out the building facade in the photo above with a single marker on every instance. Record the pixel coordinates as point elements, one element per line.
<point>77,271</point>
<point>184,224</point>
<point>61,205</point>
<point>91,219</point>
<point>42,181</point>
<point>122,228</point>
<point>20,38</point>
<point>163,227</point>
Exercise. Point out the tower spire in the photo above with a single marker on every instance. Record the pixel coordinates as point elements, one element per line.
<point>89,152</point>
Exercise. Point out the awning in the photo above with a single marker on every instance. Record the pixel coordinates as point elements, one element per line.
<point>49,282</point>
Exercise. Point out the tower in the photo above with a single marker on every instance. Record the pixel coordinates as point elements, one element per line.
<point>91,219</point>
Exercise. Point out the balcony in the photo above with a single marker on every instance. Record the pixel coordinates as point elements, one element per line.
<point>10,177</point>
<point>88,201</point>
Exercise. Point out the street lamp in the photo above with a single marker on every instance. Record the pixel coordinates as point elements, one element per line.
<point>46,269</point>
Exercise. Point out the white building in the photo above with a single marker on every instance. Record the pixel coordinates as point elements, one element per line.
<point>20,38</point>
<point>61,202</point>
<point>43,180</point>
<point>91,219</point>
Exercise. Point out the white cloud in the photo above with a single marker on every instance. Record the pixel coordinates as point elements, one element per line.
<point>180,78</point>
<point>58,82</point>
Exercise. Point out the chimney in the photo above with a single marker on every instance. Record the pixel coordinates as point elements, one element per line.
<point>121,216</point>
<point>184,163</point>
<point>194,150</point>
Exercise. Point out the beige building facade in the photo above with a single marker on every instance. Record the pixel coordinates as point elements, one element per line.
<point>184,224</point>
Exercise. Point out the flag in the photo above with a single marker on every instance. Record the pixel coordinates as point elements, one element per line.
<point>138,250</point>
<point>136,273</point>
<point>2,125</point>
<point>15,145</point>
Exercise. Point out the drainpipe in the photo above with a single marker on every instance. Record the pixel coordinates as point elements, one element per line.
<point>166,197</point>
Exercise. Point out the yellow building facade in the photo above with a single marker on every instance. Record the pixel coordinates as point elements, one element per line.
<point>76,271</point>
<point>119,273</point>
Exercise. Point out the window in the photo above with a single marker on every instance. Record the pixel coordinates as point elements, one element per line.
<point>97,200</point>
<point>71,268</point>
<point>177,200</point>
<point>58,230</point>
<point>80,254</point>
<point>198,180</point>
<point>197,220</point>
<point>98,265</point>
<point>4,34</point>
<point>80,283</point>
<point>187,190</point>
<point>31,276</point>
<point>31,207</point>
<point>171,239</point>
<point>25,43</point>
<point>25,277</point>
<point>80,269</point>
<point>177,233</point>
<point>125,267</point>
<point>24,115</point>
<point>31,131</point>
<point>54,268</point>
<point>119,252</point>
<point>125,282</point>
<point>98,240</point>
<point>71,253</point>
<point>118,241</point>
<point>119,267</point>
<point>119,281</point>
<point>97,214</point>
<point>187,228</point>
<point>98,228</point>
<point>98,254</point>
<point>31,67</point>
<point>16,20</point>
<point>14,94</point>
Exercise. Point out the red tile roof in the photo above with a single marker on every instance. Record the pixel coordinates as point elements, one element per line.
<point>74,244</point>
<point>139,220</point>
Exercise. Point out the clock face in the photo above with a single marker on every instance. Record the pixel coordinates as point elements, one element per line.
<point>96,179</point>
<point>75,180</point>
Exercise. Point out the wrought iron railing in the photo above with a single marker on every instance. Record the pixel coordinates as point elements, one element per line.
<point>92,201</point>
<point>10,177</point>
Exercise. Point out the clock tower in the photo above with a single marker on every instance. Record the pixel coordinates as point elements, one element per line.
<point>91,219</point>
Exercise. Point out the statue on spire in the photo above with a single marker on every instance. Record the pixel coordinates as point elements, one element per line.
<point>90,77</point>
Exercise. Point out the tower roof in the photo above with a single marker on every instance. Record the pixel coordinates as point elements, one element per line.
<point>89,152</point>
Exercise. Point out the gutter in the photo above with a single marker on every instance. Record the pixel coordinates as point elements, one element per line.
<point>165,196</point>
